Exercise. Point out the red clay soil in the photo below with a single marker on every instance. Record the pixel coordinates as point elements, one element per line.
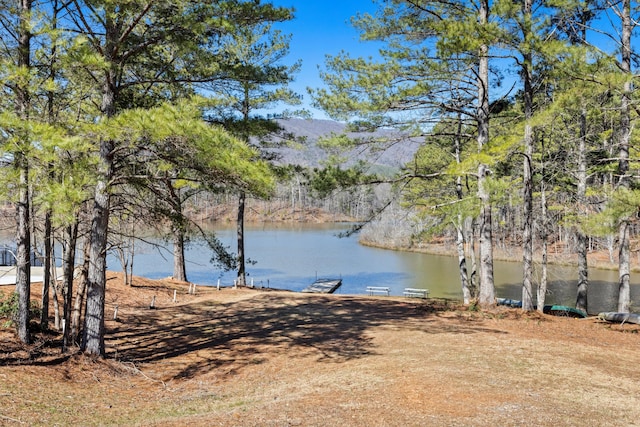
<point>242,357</point>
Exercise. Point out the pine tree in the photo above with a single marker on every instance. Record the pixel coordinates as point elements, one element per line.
<point>253,79</point>
<point>131,48</point>
<point>428,45</point>
<point>623,137</point>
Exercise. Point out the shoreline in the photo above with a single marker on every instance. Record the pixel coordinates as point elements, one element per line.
<point>597,260</point>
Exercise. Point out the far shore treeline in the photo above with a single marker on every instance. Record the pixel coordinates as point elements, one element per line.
<point>481,126</point>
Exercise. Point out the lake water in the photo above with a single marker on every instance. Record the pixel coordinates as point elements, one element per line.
<point>291,257</point>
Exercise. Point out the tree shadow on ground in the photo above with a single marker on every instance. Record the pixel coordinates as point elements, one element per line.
<point>44,350</point>
<point>236,334</point>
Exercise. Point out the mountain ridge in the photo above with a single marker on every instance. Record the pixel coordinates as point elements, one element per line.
<point>309,154</point>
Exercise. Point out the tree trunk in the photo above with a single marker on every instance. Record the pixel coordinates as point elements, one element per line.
<point>582,239</point>
<point>68,263</point>
<point>527,232</point>
<point>471,255</point>
<point>49,240</point>
<point>23,235</point>
<point>46,278</point>
<point>128,272</point>
<point>23,253</point>
<point>242,280</point>
<point>583,273</point>
<point>527,176</point>
<point>462,264</point>
<point>132,255</point>
<point>624,297</point>
<point>93,335</point>
<point>610,248</point>
<point>178,231</point>
<point>124,261</point>
<point>487,291</point>
<point>179,267</point>
<point>486,297</point>
<point>542,287</point>
<point>79,300</point>
<point>462,260</point>
<point>53,282</point>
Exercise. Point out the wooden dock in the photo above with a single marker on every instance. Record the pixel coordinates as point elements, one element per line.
<point>323,286</point>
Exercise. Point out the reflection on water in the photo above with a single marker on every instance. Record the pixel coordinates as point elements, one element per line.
<point>291,257</point>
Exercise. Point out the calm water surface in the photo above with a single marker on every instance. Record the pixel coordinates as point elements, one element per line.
<point>291,257</point>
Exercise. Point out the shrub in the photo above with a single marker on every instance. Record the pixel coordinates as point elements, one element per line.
<point>9,308</point>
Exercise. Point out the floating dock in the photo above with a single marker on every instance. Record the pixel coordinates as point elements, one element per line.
<point>323,286</point>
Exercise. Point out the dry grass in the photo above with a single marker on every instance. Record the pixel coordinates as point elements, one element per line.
<point>270,358</point>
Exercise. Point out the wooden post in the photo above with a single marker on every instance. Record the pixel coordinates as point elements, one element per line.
<point>175,295</point>
<point>115,312</point>
<point>218,284</point>
<point>153,303</point>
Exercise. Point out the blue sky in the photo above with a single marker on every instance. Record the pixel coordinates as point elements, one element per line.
<point>321,28</point>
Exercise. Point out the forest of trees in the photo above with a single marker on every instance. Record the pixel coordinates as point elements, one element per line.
<point>111,119</point>
<point>119,114</point>
<point>527,113</point>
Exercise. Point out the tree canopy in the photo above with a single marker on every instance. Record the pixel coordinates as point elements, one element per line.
<point>527,81</point>
<point>100,98</point>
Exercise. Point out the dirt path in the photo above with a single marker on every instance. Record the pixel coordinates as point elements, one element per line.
<point>269,358</point>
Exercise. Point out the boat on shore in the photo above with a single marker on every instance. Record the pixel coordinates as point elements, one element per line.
<point>617,317</point>
<point>555,310</point>
<point>564,311</point>
<point>323,286</point>
<point>513,303</point>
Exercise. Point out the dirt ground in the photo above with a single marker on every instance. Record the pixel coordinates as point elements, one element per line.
<point>242,357</point>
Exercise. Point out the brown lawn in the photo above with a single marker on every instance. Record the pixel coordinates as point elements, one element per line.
<point>241,357</point>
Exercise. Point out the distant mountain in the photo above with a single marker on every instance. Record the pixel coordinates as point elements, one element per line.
<point>309,154</point>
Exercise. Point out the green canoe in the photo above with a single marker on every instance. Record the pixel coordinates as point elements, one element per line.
<point>564,311</point>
